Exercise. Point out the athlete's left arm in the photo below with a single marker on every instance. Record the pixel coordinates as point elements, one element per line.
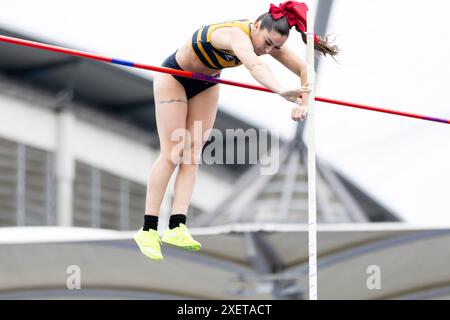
<point>295,63</point>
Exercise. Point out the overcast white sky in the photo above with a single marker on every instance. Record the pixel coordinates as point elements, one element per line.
<point>394,55</point>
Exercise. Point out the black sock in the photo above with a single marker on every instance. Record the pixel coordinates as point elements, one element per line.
<point>176,219</point>
<point>150,222</point>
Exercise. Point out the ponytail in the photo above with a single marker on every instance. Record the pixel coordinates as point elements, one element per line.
<point>323,45</point>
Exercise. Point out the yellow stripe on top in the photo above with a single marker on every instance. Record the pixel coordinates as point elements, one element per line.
<point>212,57</point>
<point>203,52</point>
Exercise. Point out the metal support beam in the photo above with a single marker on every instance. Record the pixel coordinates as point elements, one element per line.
<point>354,211</point>
<point>65,160</point>
<point>241,185</point>
<point>290,180</point>
<point>266,261</point>
<point>65,167</point>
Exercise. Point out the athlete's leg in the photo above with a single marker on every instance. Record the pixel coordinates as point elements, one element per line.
<point>171,112</point>
<point>202,109</point>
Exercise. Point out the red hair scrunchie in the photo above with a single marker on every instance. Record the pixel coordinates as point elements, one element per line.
<point>295,13</point>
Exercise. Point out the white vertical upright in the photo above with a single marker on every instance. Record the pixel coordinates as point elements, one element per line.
<point>311,140</point>
<point>65,167</point>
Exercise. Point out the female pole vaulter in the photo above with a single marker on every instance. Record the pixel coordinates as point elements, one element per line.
<point>179,102</point>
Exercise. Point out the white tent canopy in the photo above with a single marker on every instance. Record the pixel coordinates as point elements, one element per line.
<point>35,262</point>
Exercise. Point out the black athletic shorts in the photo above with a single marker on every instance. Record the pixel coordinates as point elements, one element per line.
<point>192,86</point>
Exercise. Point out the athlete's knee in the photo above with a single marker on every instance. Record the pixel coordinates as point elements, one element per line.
<point>172,158</point>
<point>173,152</point>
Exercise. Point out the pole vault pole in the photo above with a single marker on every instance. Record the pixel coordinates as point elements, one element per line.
<point>199,76</point>
<point>311,140</point>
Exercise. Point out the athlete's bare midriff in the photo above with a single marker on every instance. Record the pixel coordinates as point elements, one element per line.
<point>188,61</point>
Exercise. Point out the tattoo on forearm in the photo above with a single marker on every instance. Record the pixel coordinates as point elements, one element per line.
<point>172,101</point>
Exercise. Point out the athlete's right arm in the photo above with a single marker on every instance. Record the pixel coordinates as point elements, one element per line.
<point>243,49</point>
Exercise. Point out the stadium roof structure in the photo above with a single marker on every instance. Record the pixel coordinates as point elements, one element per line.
<point>283,197</point>
<point>236,262</point>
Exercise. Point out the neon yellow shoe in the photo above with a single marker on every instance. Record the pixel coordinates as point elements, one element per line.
<point>149,243</point>
<point>180,237</point>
